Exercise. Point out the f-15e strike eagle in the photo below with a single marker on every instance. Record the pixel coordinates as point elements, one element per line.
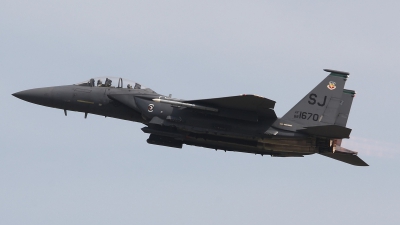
<point>244,123</point>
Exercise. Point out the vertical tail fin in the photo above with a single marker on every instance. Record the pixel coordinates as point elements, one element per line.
<point>320,106</point>
<point>344,108</point>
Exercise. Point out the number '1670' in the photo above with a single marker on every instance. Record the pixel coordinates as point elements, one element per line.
<point>306,116</point>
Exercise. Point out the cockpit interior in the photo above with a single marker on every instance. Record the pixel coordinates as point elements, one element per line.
<point>111,82</point>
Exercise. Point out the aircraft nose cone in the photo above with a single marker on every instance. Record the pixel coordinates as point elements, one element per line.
<point>40,96</point>
<point>21,95</point>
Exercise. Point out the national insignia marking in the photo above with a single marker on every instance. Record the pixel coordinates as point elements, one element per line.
<point>150,108</point>
<point>332,85</point>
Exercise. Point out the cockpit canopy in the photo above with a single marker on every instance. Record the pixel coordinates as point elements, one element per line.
<point>112,82</point>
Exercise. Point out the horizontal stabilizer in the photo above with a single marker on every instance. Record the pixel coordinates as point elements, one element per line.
<point>345,157</point>
<point>340,149</point>
<point>329,131</point>
<point>252,103</point>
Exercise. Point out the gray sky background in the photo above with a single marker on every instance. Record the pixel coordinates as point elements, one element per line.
<point>68,170</point>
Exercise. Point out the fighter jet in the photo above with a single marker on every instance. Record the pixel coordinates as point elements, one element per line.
<point>244,123</point>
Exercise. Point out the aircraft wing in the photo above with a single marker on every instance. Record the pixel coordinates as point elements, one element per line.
<point>242,102</point>
<point>246,105</point>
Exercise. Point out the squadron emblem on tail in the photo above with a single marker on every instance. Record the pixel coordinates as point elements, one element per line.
<point>332,85</point>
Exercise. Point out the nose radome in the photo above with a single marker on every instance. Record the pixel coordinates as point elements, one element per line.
<point>40,96</point>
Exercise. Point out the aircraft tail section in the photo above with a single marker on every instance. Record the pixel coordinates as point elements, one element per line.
<point>352,159</point>
<point>321,105</point>
<point>344,108</point>
<point>344,154</point>
<point>328,131</point>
